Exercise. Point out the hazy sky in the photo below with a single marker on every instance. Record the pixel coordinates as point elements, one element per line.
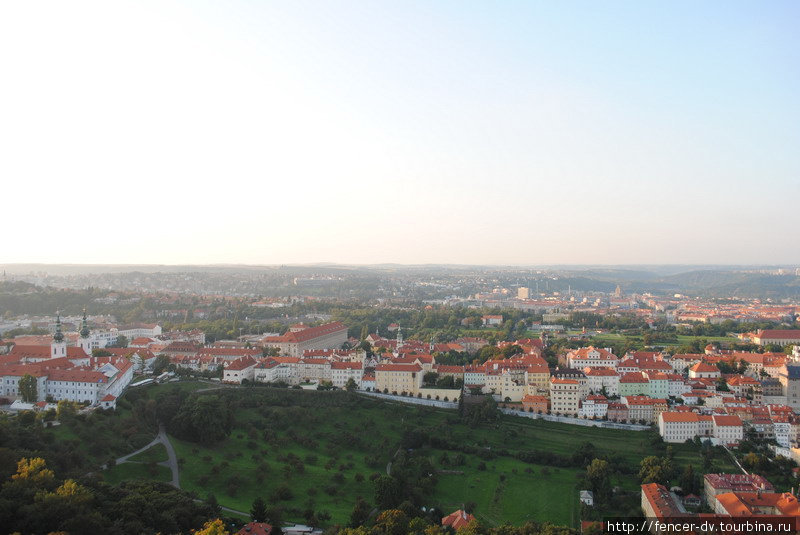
<point>360,132</point>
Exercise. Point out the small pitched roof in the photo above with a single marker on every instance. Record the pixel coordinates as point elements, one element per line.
<point>457,519</point>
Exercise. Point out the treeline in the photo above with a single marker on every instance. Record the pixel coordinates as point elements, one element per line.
<point>405,521</point>
<point>443,323</point>
<point>35,500</point>
<point>46,484</point>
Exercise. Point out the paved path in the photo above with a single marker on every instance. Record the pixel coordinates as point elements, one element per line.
<point>172,458</point>
<point>125,458</point>
<point>735,460</point>
<point>172,462</point>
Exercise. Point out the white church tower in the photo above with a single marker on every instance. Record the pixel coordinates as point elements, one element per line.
<point>58,347</point>
<point>84,341</point>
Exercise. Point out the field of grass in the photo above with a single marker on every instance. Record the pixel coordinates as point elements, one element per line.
<point>511,491</point>
<point>130,471</point>
<point>686,339</point>
<point>681,340</point>
<point>326,452</point>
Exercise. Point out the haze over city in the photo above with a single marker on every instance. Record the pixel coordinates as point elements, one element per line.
<point>415,132</point>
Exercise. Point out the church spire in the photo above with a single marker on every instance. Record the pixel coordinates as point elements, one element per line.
<point>84,326</point>
<point>58,336</point>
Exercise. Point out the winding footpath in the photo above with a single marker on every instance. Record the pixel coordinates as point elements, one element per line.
<point>171,463</point>
<point>172,458</point>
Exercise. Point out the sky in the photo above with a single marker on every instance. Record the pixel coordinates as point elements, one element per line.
<point>455,132</point>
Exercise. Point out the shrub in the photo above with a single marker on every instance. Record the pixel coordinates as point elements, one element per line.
<point>282,493</point>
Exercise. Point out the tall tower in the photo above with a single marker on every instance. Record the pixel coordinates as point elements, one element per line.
<point>58,347</point>
<point>84,341</point>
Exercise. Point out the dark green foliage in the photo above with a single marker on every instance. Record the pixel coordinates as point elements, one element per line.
<point>258,512</point>
<point>477,410</point>
<point>28,388</point>
<point>202,418</point>
<point>360,513</point>
<point>388,492</point>
<point>44,503</point>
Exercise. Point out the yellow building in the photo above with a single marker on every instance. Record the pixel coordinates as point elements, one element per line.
<point>398,378</point>
<point>537,379</point>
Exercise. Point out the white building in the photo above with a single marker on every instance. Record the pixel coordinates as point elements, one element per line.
<point>591,357</point>
<point>341,372</point>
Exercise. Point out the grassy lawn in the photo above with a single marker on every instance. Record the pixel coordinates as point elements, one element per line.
<point>681,340</point>
<point>633,446</point>
<point>327,453</point>
<point>511,491</point>
<point>337,441</point>
<point>130,471</point>
<point>157,454</point>
<point>686,339</point>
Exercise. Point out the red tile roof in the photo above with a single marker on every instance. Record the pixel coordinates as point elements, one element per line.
<point>660,501</point>
<point>241,363</point>
<point>779,334</point>
<point>308,334</point>
<point>703,367</point>
<point>346,365</point>
<point>457,519</point>
<point>78,376</point>
<point>398,368</point>
<point>255,528</point>
<point>727,421</point>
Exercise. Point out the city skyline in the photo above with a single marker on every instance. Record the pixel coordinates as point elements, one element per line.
<point>449,133</point>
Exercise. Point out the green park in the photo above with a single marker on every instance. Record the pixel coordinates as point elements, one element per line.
<point>313,455</point>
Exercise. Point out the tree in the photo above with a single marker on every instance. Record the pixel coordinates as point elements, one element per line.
<point>213,505</point>
<point>271,351</point>
<point>688,481</point>
<point>351,385</point>
<point>27,388</point>
<point>65,409</point>
<point>258,511</point>
<point>475,413</point>
<point>654,469</point>
<point>598,474</point>
<point>213,527</point>
<point>360,513</point>
<point>429,379</point>
<point>392,522</point>
<point>34,470</point>
<point>388,492</point>
<point>160,364</point>
<point>203,418</point>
